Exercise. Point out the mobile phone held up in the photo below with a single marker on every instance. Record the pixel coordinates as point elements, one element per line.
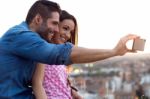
<point>138,44</point>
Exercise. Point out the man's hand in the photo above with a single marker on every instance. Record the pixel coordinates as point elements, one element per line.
<point>121,47</point>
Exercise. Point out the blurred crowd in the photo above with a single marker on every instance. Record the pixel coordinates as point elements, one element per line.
<point>118,85</point>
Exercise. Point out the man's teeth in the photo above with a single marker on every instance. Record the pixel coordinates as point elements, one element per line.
<point>51,32</point>
<point>63,39</point>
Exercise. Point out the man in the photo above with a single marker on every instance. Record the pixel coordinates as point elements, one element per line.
<point>24,45</point>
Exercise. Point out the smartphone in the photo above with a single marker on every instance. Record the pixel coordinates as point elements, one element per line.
<point>138,44</point>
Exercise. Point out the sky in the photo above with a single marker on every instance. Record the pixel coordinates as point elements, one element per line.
<point>101,23</point>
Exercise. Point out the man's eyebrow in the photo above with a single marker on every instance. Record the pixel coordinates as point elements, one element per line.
<point>56,22</point>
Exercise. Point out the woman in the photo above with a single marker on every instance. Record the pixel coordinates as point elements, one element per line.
<point>51,81</point>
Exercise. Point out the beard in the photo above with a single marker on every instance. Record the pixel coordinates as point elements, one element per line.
<point>43,31</point>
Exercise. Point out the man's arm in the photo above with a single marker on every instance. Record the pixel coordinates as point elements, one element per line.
<point>83,55</point>
<point>31,46</point>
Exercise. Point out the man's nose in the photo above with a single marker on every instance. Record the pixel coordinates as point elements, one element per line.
<point>57,30</point>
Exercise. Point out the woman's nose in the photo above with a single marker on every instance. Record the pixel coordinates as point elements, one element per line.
<point>67,34</point>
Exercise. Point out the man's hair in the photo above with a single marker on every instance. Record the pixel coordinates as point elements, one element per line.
<point>74,36</point>
<point>44,8</point>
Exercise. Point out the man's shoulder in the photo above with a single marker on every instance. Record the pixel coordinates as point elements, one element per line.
<point>23,27</point>
<point>21,30</point>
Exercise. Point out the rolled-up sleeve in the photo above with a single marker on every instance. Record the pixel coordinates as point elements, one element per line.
<point>31,46</point>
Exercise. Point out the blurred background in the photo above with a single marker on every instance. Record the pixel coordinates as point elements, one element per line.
<point>101,24</point>
<point>126,77</point>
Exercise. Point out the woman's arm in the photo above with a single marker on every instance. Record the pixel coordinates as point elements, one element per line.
<point>37,82</point>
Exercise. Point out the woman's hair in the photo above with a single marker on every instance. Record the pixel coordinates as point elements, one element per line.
<point>74,36</point>
<point>44,8</point>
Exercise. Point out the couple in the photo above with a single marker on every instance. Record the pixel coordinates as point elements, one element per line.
<point>51,81</point>
<point>26,44</point>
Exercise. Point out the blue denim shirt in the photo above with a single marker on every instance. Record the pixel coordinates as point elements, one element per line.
<point>20,48</point>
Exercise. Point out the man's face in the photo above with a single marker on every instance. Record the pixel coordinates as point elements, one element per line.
<point>49,26</point>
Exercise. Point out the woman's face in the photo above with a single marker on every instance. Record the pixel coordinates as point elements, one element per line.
<point>66,29</point>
